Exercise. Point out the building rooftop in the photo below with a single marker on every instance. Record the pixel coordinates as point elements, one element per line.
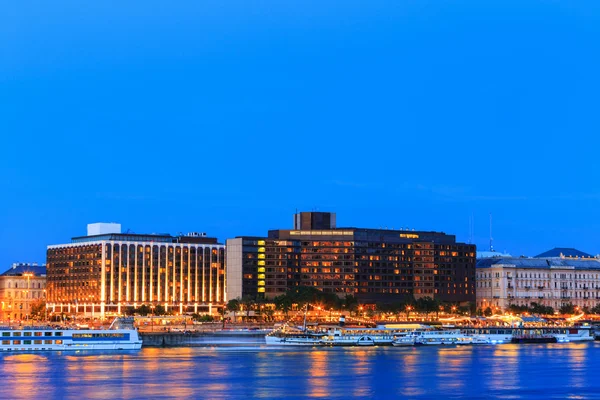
<point>564,252</point>
<point>541,262</point>
<point>20,269</point>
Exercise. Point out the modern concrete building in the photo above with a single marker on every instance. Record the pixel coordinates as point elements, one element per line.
<point>107,270</point>
<point>376,265</point>
<point>548,281</point>
<point>20,287</point>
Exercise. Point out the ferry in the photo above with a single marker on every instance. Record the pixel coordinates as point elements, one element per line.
<point>439,337</point>
<point>121,335</point>
<point>294,339</point>
<point>501,335</point>
<point>381,335</point>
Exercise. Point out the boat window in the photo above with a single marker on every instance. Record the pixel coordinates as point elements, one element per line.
<point>47,333</point>
<point>16,342</point>
<point>47,341</point>
<point>5,333</point>
<point>16,333</point>
<point>37,342</point>
<point>26,333</point>
<point>58,334</point>
<point>26,341</point>
<point>6,342</point>
<point>37,334</point>
<point>59,342</point>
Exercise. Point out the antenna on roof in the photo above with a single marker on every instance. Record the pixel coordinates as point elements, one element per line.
<point>491,239</point>
<point>471,228</point>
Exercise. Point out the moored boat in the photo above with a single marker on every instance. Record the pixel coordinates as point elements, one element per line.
<point>121,335</point>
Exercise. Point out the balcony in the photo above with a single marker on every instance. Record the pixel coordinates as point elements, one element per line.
<point>541,287</point>
<point>540,297</point>
<point>510,286</point>
<point>527,287</point>
<point>509,277</point>
<point>510,296</point>
<point>565,297</point>
<point>496,297</point>
<point>585,297</point>
<point>527,297</point>
<point>585,287</point>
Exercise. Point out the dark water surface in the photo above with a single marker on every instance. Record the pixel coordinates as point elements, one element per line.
<point>548,371</point>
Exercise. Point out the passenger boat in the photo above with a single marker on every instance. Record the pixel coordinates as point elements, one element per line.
<point>359,337</point>
<point>121,335</point>
<point>439,337</point>
<point>294,339</point>
<point>501,335</point>
<point>404,340</point>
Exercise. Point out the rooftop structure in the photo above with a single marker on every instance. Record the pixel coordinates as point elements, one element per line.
<point>564,252</point>
<point>19,269</point>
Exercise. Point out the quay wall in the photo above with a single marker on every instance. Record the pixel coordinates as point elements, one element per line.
<point>176,339</point>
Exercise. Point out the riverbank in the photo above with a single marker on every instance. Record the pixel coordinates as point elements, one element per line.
<point>203,338</point>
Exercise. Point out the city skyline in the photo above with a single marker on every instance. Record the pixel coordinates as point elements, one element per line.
<point>226,120</point>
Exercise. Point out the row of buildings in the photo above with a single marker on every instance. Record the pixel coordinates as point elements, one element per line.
<point>105,271</point>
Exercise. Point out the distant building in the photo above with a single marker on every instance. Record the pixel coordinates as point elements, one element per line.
<point>107,270</point>
<point>549,281</point>
<point>491,254</point>
<point>21,286</point>
<point>375,265</point>
<point>564,252</point>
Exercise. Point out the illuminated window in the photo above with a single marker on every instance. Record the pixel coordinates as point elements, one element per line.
<point>261,269</point>
<point>261,290</point>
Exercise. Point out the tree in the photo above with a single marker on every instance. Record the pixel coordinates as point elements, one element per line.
<point>159,310</point>
<point>350,302</point>
<point>248,303</point>
<point>144,310</point>
<point>568,308</point>
<point>129,310</point>
<point>596,309</point>
<point>38,309</point>
<point>283,303</point>
<point>487,312</point>
<point>233,305</point>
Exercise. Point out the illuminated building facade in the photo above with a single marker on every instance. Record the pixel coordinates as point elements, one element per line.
<point>375,265</point>
<point>104,272</point>
<point>20,287</point>
<point>548,281</point>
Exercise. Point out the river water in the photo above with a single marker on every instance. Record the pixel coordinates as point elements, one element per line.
<point>535,371</point>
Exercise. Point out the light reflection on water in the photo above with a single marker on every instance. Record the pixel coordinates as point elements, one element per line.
<point>505,371</point>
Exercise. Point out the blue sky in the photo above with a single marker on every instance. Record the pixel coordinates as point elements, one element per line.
<point>226,117</point>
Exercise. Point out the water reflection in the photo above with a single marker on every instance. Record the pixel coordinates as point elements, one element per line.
<point>503,371</point>
<point>318,385</point>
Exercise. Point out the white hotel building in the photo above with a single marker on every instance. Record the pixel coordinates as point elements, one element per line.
<point>104,272</point>
<point>551,281</point>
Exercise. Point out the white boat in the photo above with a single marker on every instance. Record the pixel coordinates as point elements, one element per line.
<point>293,339</point>
<point>439,337</point>
<point>404,340</point>
<point>502,335</point>
<point>381,335</point>
<point>48,339</point>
